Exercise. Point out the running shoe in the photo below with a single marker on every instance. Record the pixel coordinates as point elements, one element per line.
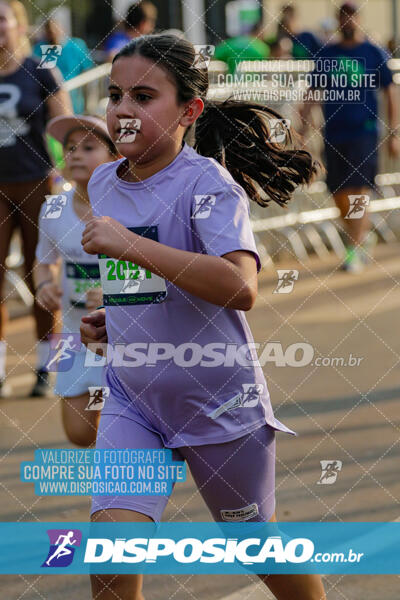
<point>5,389</point>
<point>41,389</point>
<point>352,262</point>
<point>367,247</point>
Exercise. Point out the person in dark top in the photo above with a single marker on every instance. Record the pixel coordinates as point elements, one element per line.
<point>29,96</point>
<point>304,43</point>
<point>346,80</point>
<point>140,20</point>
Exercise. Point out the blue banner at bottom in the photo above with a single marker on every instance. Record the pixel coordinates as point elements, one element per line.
<point>196,548</point>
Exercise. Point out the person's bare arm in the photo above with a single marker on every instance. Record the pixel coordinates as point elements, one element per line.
<point>48,293</point>
<point>392,115</point>
<point>59,104</point>
<point>229,280</point>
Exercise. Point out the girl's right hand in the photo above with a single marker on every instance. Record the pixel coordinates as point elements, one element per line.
<point>49,297</point>
<point>93,328</point>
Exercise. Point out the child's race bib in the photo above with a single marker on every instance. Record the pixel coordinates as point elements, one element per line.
<point>125,283</point>
<point>81,277</point>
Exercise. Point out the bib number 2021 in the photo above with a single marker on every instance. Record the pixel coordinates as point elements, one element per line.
<point>123,269</point>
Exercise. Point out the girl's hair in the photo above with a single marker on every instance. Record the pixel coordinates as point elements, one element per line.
<point>236,134</point>
<point>21,16</point>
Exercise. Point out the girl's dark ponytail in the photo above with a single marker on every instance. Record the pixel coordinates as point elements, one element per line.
<point>237,134</point>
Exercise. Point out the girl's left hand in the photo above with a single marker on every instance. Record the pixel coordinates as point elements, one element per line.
<point>105,235</point>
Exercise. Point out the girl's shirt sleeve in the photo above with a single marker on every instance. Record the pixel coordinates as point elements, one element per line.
<point>46,249</point>
<point>220,218</point>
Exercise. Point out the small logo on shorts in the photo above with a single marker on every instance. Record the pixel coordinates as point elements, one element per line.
<point>357,206</point>
<point>286,280</point>
<point>330,470</point>
<point>62,547</point>
<point>55,204</point>
<point>240,514</point>
<point>203,205</point>
<point>97,397</point>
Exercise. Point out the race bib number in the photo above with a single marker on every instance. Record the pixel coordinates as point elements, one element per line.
<point>125,283</point>
<point>80,278</point>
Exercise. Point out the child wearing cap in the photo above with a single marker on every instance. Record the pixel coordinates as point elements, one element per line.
<point>62,219</point>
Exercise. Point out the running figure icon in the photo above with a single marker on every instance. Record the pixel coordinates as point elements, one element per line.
<point>55,204</point>
<point>62,549</point>
<point>50,55</point>
<point>132,282</point>
<point>62,346</point>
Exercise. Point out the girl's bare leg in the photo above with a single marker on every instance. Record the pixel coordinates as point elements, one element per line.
<point>123,587</point>
<point>290,587</point>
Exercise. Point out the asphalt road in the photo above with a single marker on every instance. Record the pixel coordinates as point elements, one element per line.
<point>344,413</point>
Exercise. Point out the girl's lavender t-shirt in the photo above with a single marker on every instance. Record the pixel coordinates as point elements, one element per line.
<point>186,364</point>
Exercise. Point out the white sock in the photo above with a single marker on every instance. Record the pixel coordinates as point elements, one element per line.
<point>42,353</point>
<point>3,351</point>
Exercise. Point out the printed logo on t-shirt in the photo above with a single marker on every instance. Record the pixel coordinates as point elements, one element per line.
<point>125,283</point>
<point>240,514</point>
<point>11,125</point>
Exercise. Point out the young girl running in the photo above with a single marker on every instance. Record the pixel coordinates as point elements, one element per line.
<point>62,220</point>
<point>176,220</point>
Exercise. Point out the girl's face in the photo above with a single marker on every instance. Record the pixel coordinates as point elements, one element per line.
<point>141,90</point>
<point>83,153</point>
<point>9,29</point>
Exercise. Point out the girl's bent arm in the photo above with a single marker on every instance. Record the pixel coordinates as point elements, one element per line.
<point>229,280</point>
